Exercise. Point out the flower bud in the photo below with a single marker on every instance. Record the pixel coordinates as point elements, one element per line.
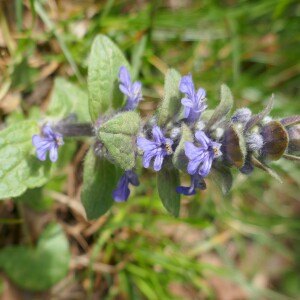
<point>275,140</point>
<point>242,115</point>
<point>234,147</point>
<point>175,133</point>
<point>254,141</point>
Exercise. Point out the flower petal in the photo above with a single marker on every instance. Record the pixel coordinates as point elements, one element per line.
<point>136,87</point>
<point>187,111</point>
<point>41,154</point>
<point>145,144</point>
<point>187,102</point>
<point>121,193</point>
<point>191,151</point>
<point>185,190</point>
<point>147,158</point>
<point>124,90</point>
<point>53,153</point>
<point>187,86</point>
<point>193,166</point>
<point>158,136</point>
<point>158,162</point>
<point>201,94</point>
<point>48,132</point>
<point>202,139</point>
<point>37,140</point>
<point>125,78</point>
<point>206,166</point>
<point>169,141</point>
<point>132,178</point>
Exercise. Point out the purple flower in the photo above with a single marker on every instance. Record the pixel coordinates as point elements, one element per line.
<point>50,142</point>
<point>203,156</point>
<point>158,148</point>
<point>197,181</point>
<point>194,104</point>
<point>132,91</point>
<point>121,193</point>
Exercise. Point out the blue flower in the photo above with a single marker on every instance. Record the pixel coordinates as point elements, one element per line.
<point>121,193</point>
<point>197,181</point>
<point>194,104</point>
<point>132,91</point>
<point>158,148</point>
<point>203,156</point>
<point>50,142</point>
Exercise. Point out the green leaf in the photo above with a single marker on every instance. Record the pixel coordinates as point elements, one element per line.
<point>259,117</point>
<point>172,100</point>
<point>167,181</point>
<point>223,108</point>
<point>180,160</point>
<point>100,178</point>
<point>103,70</point>
<point>119,135</point>
<point>222,177</point>
<point>35,199</point>
<point>265,168</point>
<point>20,169</point>
<point>68,98</point>
<point>41,267</point>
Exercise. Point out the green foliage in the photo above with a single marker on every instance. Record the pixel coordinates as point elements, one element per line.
<point>222,177</point>
<point>104,63</point>
<point>68,98</point>
<point>259,117</point>
<point>260,219</point>
<point>20,169</point>
<point>38,268</point>
<point>118,135</point>
<point>100,178</point>
<point>171,102</point>
<point>223,108</point>
<point>167,181</point>
<point>35,200</point>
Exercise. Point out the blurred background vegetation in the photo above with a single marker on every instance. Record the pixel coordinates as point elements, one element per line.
<point>244,246</point>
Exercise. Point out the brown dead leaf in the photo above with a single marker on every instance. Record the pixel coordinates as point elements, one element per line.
<point>10,102</point>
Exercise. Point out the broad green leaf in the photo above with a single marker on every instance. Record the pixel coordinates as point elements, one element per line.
<point>172,100</point>
<point>100,178</point>
<point>223,108</point>
<point>68,98</point>
<point>180,160</point>
<point>167,181</point>
<point>222,177</point>
<point>103,70</point>
<point>19,167</point>
<point>38,268</point>
<point>119,136</point>
<point>35,199</point>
